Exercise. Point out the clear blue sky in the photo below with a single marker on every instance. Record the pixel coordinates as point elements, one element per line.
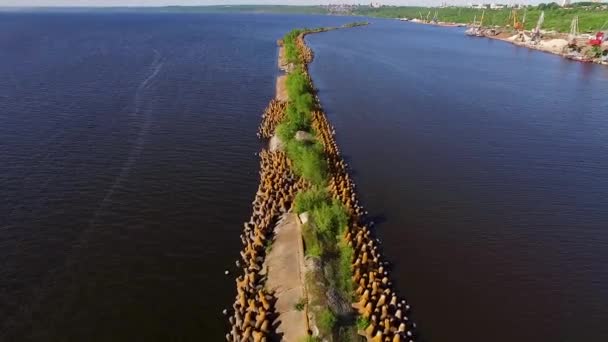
<point>233,2</point>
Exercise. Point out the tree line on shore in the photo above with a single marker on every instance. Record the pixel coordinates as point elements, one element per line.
<point>556,18</point>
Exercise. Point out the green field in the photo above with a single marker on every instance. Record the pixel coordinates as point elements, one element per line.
<point>555,18</point>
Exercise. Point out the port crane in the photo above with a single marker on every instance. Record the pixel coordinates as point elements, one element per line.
<point>475,29</point>
<point>435,19</point>
<point>536,32</point>
<point>597,40</point>
<point>517,25</point>
<point>573,31</point>
<point>600,36</point>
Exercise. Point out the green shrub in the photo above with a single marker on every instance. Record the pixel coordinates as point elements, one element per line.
<point>345,270</point>
<point>308,161</point>
<point>287,129</point>
<point>330,217</point>
<point>326,320</point>
<point>362,323</point>
<point>307,200</point>
<point>303,103</point>
<point>595,52</point>
<point>289,42</point>
<point>297,83</point>
<point>311,242</point>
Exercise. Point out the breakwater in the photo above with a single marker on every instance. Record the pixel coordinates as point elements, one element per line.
<point>348,283</point>
<point>254,306</point>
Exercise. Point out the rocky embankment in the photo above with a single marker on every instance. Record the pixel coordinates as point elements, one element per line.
<point>253,312</point>
<point>555,43</point>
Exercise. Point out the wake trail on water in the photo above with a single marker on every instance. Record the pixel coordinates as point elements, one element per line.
<point>143,119</point>
<point>138,144</point>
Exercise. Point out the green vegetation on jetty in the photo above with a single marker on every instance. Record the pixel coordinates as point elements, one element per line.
<point>289,43</point>
<point>348,289</point>
<point>307,157</point>
<point>328,218</point>
<point>355,24</point>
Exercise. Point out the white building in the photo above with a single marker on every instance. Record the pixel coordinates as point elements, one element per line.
<point>497,6</point>
<point>375,5</point>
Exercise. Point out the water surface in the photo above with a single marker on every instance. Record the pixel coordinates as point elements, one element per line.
<point>127,167</point>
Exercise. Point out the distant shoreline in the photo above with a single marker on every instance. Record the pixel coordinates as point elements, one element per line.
<point>173,9</point>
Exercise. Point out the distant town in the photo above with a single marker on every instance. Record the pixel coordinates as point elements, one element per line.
<point>352,8</point>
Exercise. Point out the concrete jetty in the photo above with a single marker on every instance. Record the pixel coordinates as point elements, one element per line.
<point>285,278</point>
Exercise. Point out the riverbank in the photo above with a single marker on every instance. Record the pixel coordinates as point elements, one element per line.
<point>554,43</point>
<point>347,289</point>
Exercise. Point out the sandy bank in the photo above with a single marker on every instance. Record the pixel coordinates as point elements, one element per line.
<point>281,88</point>
<point>282,60</point>
<point>556,44</point>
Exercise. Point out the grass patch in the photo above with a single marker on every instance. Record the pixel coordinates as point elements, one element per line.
<point>289,41</point>
<point>307,200</point>
<point>556,18</point>
<point>330,217</point>
<point>297,83</point>
<point>328,220</point>
<point>326,320</point>
<point>308,161</point>
<point>287,129</point>
<point>344,278</point>
<point>362,323</point>
<point>311,242</point>
<point>308,158</point>
<point>355,24</point>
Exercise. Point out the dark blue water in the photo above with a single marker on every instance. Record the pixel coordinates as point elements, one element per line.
<point>127,167</point>
<point>486,166</point>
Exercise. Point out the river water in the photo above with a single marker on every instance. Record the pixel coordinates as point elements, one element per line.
<point>127,167</point>
<point>486,166</point>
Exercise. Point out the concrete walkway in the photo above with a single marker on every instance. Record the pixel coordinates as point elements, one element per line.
<point>285,267</point>
<point>281,88</point>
